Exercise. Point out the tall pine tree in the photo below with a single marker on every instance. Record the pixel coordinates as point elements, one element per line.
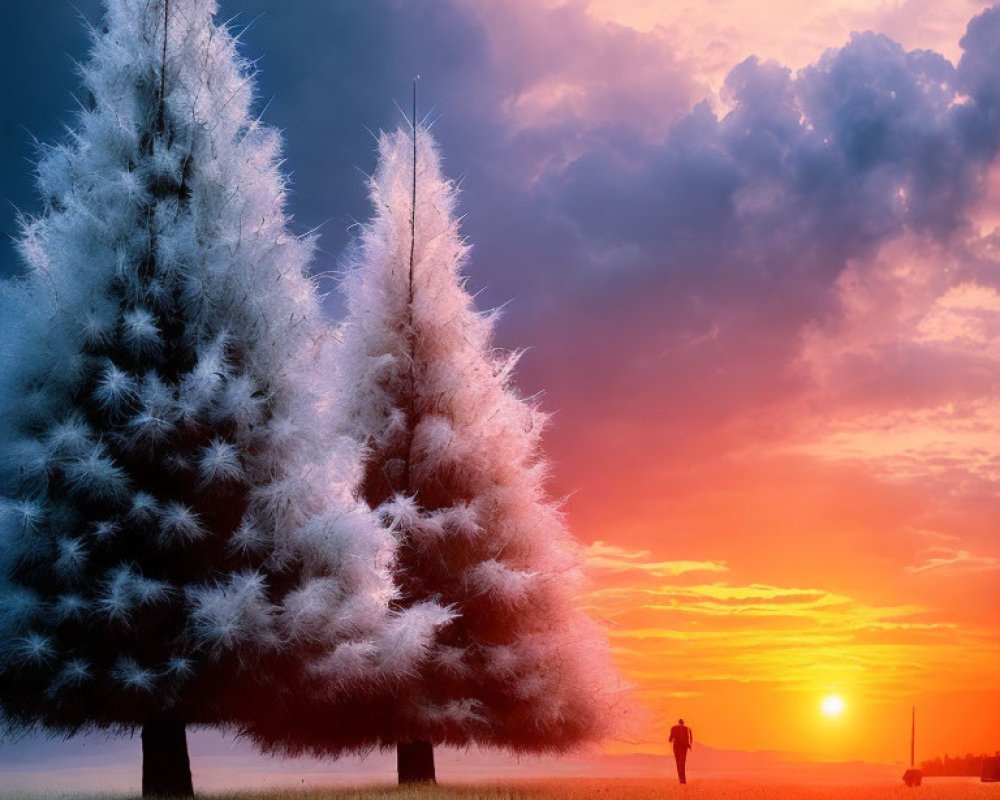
<point>177,525</point>
<point>453,463</point>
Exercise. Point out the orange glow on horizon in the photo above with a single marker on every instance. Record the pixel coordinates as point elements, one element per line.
<point>815,545</point>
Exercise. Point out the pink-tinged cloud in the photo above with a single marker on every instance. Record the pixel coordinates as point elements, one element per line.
<point>770,336</point>
<point>556,66</point>
<point>600,557</point>
<point>712,37</point>
<point>940,558</point>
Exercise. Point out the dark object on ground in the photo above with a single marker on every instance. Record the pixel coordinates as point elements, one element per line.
<point>166,769</point>
<point>415,762</point>
<point>991,770</point>
<point>682,739</point>
<point>913,777</point>
<point>680,756</point>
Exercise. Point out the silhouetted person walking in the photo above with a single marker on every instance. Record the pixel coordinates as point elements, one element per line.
<point>683,740</point>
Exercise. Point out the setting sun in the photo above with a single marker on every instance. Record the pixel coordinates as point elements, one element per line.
<point>832,705</point>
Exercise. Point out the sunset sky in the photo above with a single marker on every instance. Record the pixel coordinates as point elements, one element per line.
<point>753,249</point>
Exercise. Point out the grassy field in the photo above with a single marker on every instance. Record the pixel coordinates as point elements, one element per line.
<point>569,789</point>
<point>596,790</point>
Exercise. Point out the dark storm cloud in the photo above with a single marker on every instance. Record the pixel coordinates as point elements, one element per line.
<point>690,266</point>
<point>803,171</point>
<point>979,77</point>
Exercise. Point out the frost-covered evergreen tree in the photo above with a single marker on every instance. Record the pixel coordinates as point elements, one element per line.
<point>454,465</point>
<point>179,540</point>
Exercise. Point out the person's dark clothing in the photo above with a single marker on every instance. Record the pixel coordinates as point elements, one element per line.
<point>681,756</point>
<point>682,739</point>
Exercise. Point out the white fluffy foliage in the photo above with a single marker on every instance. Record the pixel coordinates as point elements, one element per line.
<point>72,556</point>
<point>502,660</point>
<point>350,664</point>
<point>284,503</point>
<point>69,607</point>
<point>28,463</point>
<point>232,612</point>
<point>75,673</point>
<point>97,325</point>
<point>180,524</point>
<point>310,611</point>
<point>96,476</point>
<point>134,677</point>
<point>405,640</point>
<point>105,529</point>
<point>143,507</point>
<point>180,668</point>
<point>341,543</point>
<point>508,588</point>
<point>115,389</point>
<point>249,539</point>
<point>451,661</point>
<point>401,513</point>
<point>148,591</point>
<point>19,518</point>
<point>459,520</point>
<point>20,522</point>
<point>366,612</point>
<point>240,403</point>
<point>117,602</point>
<point>220,461</point>
<point>466,714</point>
<point>125,591</point>
<point>533,687</point>
<point>262,349</point>
<point>33,650</point>
<point>141,333</point>
<point>156,418</point>
<point>425,392</point>
<point>203,384</point>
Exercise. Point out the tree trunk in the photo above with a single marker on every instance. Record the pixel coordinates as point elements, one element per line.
<point>415,762</point>
<point>166,769</point>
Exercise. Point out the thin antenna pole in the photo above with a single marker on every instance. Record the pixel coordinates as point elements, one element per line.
<point>163,66</point>
<point>410,335</point>
<point>913,732</point>
<point>413,204</point>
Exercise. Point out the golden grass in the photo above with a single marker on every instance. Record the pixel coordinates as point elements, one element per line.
<point>590,789</point>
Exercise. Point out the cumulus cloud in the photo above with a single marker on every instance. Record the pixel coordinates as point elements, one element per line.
<point>804,172</point>
<point>687,268</point>
<point>714,36</point>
